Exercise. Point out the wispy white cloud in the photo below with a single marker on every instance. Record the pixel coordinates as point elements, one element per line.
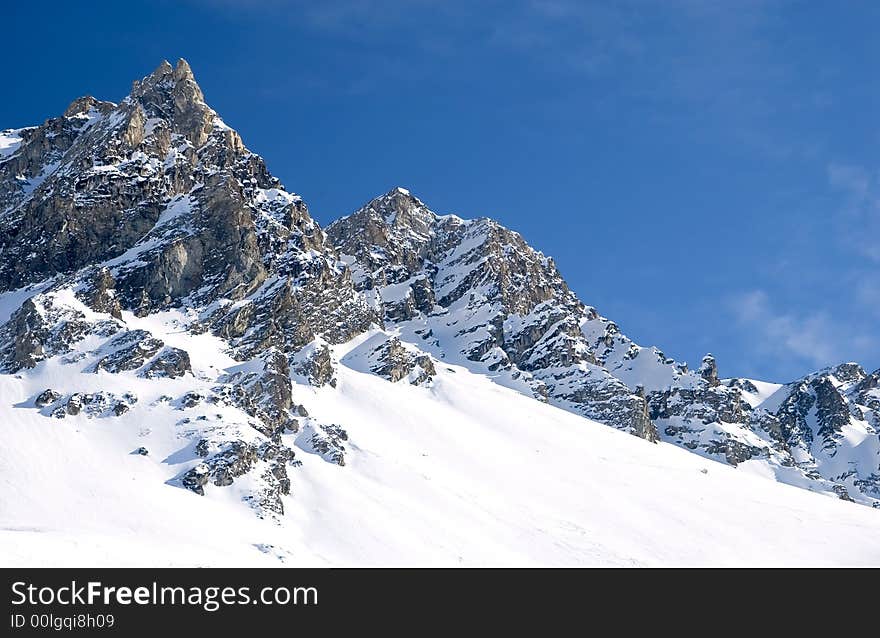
<point>816,338</point>
<point>831,331</point>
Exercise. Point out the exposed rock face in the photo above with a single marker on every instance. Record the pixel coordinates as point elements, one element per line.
<point>154,204</point>
<point>46,397</point>
<point>743,384</point>
<point>689,416</point>
<point>709,370</point>
<point>262,389</point>
<point>44,326</point>
<point>98,292</point>
<point>85,187</point>
<point>867,395</point>
<point>819,427</point>
<point>237,458</point>
<point>830,426</point>
<point>325,440</point>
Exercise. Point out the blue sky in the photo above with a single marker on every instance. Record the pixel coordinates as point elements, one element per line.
<point>704,173</point>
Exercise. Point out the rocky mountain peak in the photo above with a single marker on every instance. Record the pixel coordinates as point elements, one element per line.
<point>86,186</point>
<point>167,75</point>
<point>391,236</point>
<point>155,204</point>
<point>400,209</point>
<point>163,193</point>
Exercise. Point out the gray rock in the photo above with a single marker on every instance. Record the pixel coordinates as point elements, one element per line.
<point>191,399</point>
<point>325,440</point>
<point>74,404</point>
<point>265,394</point>
<point>99,292</point>
<point>129,350</point>
<point>169,363</point>
<point>533,327</point>
<point>236,459</point>
<point>46,397</point>
<point>316,366</point>
<point>709,370</point>
<point>394,362</point>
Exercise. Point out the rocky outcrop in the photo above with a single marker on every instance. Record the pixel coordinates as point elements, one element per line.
<point>170,205</point>
<point>815,427</point>
<point>44,326</point>
<point>170,363</point>
<point>325,440</point>
<point>262,388</point>
<point>709,370</point>
<point>98,292</point>
<point>225,462</point>
<point>89,404</point>
<point>129,350</point>
<point>314,365</point>
<point>46,397</point>
<point>394,361</point>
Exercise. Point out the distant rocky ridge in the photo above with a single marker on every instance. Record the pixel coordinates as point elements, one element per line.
<point>113,213</point>
<point>474,293</point>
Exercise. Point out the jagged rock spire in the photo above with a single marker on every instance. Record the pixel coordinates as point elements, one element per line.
<point>183,71</point>
<point>709,370</point>
<point>172,93</point>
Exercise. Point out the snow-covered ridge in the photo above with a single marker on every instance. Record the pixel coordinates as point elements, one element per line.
<point>473,292</point>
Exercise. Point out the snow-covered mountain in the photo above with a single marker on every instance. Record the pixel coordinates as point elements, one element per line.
<point>404,387</point>
<point>475,294</point>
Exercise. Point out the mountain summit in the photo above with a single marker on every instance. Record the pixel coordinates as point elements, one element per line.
<point>154,274</point>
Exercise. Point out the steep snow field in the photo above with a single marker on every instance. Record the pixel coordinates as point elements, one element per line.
<point>464,472</point>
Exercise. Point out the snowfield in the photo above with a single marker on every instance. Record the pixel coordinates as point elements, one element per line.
<point>462,473</point>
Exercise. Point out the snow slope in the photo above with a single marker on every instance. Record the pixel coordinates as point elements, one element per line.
<point>461,472</point>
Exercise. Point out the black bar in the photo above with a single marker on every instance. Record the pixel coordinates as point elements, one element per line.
<point>416,601</point>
